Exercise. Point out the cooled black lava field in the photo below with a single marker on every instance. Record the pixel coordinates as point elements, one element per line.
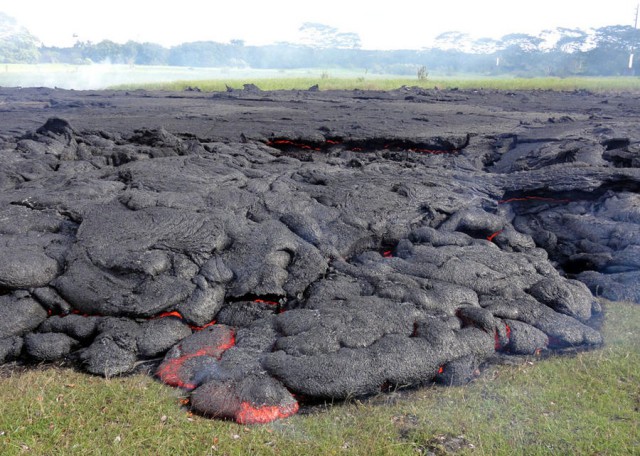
<point>265,249</point>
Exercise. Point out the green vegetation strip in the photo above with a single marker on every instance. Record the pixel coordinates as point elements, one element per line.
<point>601,84</point>
<point>583,404</point>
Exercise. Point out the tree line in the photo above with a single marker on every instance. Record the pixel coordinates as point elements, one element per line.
<point>606,51</point>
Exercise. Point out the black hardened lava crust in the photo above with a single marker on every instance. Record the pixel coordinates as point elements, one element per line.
<point>278,247</point>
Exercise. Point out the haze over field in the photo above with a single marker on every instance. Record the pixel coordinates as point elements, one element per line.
<point>397,25</point>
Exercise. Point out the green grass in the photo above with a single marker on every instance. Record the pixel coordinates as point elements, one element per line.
<point>583,404</point>
<point>128,77</point>
<point>390,83</point>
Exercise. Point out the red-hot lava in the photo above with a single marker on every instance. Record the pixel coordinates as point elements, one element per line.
<point>498,344</point>
<point>264,301</point>
<point>248,414</point>
<point>177,314</point>
<point>535,198</point>
<point>492,236</point>
<point>82,314</point>
<point>174,313</point>
<point>288,144</point>
<point>171,370</point>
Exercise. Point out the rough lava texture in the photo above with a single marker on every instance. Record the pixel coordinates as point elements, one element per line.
<point>266,248</point>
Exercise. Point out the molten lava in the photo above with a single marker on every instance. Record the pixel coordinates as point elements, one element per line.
<point>281,143</point>
<point>535,198</point>
<point>248,414</point>
<point>354,146</point>
<point>264,301</point>
<point>168,314</point>
<point>171,370</point>
<point>200,328</point>
<point>82,314</point>
<point>492,236</point>
<point>176,314</point>
<point>498,345</point>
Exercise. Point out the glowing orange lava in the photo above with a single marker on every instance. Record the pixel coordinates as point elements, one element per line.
<point>248,414</point>
<point>286,142</point>
<point>200,328</point>
<point>492,236</point>
<point>264,301</point>
<point>498,344</point>
<point>77,312</point>
<point>170,372</point>
<point>177,314</point>
<point>535,198</point>
<point>168,314</point>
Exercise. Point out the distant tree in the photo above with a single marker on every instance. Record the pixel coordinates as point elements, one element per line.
<point>612,46</point>
<point>326,37</point>
<point>453,40</point>
<point>571,40</point>
<point>106,51</point>
<point>422,73</point>
<point>521,54</point>
<point>151,54</point>
<point>17,45</point>
<point>618,37</point>
<point>566,56</point>
<point>199,54</point>
<point>521,42</point>
<point>484,46</point>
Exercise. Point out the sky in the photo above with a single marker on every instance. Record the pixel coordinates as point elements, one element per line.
<point>398,24</point>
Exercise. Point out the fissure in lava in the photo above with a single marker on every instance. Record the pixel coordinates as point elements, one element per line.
<point>289,145</point>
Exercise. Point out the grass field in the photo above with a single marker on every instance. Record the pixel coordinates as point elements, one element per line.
<point>126,77</point>
<point>390,83</point>
<point>588,403</point>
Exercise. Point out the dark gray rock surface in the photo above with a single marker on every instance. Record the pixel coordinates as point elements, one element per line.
<point>279,246</point>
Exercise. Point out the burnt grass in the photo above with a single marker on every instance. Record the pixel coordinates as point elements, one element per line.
<point>263,250</point>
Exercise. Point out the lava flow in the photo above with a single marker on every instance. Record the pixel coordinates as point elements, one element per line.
<point>498,344</point>
<point>286,143</point>
<point>356,146</point>
<point>248,414</point>
<point>176,370</point>
<point>492,236</point>
<point>535,198</point>
<point>264,301</point>
<point>170,372</point>
<point>178,315</point>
